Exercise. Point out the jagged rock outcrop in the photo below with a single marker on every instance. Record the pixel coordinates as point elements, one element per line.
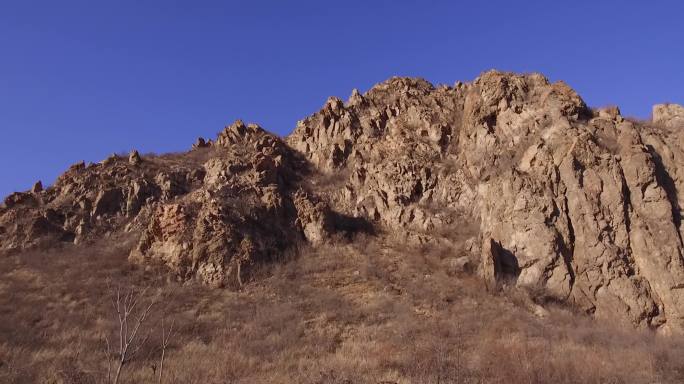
<point>669,115</point>
<point>91,200</point>
<point>385,149</point>
<point>248,209</point>
<point>525,180</point>
<point>576,201</point>
<point>209,214</point>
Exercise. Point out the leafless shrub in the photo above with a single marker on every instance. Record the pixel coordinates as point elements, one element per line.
<point>130,340</point>
<point>165,339</point>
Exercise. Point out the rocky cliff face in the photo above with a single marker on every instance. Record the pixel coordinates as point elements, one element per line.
<point>515,172</point>
<point>207,214</point>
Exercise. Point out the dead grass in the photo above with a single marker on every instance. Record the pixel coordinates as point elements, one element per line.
<point>329,182</point>
<point>195,157</point>
<point>365,311</point>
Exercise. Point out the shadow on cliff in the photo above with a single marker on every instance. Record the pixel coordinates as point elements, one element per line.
<point>668,184</point>
<point>506,267</point>
<point>350,226</point>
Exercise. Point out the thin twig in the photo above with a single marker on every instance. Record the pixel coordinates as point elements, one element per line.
<point>166,338</point>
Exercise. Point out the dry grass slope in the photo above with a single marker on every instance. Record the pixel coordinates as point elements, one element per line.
<point>348,312</point>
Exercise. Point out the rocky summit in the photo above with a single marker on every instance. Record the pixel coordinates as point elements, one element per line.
<point>524,181</point>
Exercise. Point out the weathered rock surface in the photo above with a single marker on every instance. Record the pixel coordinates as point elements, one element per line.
<point>582,203</point>
<point>517,173</point>
<point>249,208</point>
<point>208,214</point>
<point>669,115</point>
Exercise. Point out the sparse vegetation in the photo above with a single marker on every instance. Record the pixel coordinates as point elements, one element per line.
<point>357,312</point>
<point>195,157</point>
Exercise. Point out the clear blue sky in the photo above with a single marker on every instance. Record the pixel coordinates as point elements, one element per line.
<point>82,79</point>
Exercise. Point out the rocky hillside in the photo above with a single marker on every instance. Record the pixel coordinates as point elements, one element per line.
<point>515,173</point>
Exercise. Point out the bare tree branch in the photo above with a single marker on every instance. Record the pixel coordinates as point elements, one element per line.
<point>166,338</point>
<point>130,325</point>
